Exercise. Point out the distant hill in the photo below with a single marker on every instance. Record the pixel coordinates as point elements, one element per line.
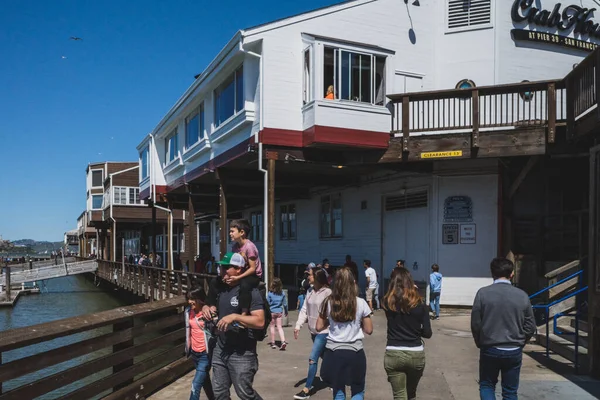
<point>36,246</point>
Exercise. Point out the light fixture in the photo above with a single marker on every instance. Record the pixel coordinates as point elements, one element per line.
<point>338,166</point>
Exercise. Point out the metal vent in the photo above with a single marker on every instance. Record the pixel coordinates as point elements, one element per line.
<point>416,199</point>
<point>465,13</point>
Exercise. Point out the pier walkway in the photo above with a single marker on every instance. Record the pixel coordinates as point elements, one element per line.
<point>451,371</point>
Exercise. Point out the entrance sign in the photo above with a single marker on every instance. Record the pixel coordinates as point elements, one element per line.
<point>450,234</point>
<point>458,209</point>
<point>442,154</point>
<point>468,234</point>
<point>567,19</point>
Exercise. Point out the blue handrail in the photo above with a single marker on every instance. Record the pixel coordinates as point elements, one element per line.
<point>546,307</point>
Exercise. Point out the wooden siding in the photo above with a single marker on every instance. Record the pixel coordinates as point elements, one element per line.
<point>144,214</point>
<point>119,166</point>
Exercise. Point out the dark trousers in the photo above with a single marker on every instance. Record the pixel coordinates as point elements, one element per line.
<point>246,285</point>
<point>341,368</point>
<point>237,368</point>
<point>493,362</point>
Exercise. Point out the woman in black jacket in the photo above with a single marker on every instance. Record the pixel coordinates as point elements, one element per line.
<point>407,322</point>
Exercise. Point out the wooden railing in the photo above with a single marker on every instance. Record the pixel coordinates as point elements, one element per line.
<point>151,282</point>
<point>583,91</point>
<point>128,351</point>
<point>521,105</point>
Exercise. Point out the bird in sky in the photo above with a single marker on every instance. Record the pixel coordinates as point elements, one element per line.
<point>75,38</point>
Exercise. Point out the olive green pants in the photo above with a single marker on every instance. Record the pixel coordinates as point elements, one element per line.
<point>404,370</point>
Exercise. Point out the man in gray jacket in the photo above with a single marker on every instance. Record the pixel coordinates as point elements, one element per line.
<point>501,322</point>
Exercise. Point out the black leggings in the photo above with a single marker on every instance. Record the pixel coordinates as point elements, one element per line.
<point>246,285</point>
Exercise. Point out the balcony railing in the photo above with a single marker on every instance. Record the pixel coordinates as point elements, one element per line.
<point>476,110</point>
<point>582,94</point>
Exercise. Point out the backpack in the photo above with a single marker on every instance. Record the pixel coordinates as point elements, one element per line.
<point>261,334</point>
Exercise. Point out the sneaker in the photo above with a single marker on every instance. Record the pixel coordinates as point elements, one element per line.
<point>273,346</point>
<point>302,395</point>
<point>283,346</point>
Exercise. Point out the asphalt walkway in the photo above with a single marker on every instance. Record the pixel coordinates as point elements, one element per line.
<point>451,369</point>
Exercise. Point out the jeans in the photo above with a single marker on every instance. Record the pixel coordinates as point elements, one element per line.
<point>493,361</point>
<point>345,368</point>
<point>341,395</point>
<point>434,303</point>
<point>319,342</point>
<point>404,370</point>
<point>235,368</point>
<point>201,378</point>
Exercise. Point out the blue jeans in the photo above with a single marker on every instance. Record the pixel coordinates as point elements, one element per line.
<point>319,342</point>
<point>340,395</point>
<point>492,362</point>
<point>434,303</point>
<point>201,378</point>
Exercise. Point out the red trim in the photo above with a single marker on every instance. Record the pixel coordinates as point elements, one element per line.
<point>325,135</point>
<point>160,189</point>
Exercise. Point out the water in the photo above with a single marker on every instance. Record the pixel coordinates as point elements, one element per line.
<point>60,298</point>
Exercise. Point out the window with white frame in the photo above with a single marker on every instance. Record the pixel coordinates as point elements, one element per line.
<point>287,222</point>
<point>97,200</point>
<point>119,195</point>
<point>134,196</point>
<point>229,97</point>
<point>194,127</point>
<point>463,14</point>
<point>145,166</point>
<point>171,147</point>
<point>306,78</point>
<point>256,221</point>
<point>97,178</point>
<point>354,76</point>
<point>331,216</point>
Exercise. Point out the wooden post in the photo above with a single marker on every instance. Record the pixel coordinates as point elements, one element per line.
<point>271,227</point>
<point>224,231</point>
<point>551,112</point>
<point>113,242</point>
<point>191,225</point>
<point>7,282</point>
<point>405,123</point>
<point>152,246</point>
<point>475,119</point>
<point>570,103</point>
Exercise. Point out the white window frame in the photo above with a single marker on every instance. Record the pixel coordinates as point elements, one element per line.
<point>236,112</point>
<point>120,190</point>
<point>136,195</point>
<point>199,112</point>
<point>449,30</point>
<point>101,205</point>
<point>170,153</point>
<point>284,209</point>
<point>308,75</point>
<point>331,235</point>
<point>101,179</point>
<point>338,48</point>
<point>145,170</point>
<point>258,227</point>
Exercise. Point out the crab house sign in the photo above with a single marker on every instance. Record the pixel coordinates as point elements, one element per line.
<point>563,19</point>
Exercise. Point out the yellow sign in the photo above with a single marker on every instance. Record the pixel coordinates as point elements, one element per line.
<point>442,154</point>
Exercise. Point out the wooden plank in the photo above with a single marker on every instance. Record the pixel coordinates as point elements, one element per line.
<point>127,375</point>
<point>271,213</point>
<point>405,122</point>
<point>29,335</point>
<point>156,380</point>
<point>63,378</point>
<point>475,119</point>
<point>36,362</point>
<point>570,266</point>
<point>551,112</point>
<point>127,344</point>
<point>522,175</point>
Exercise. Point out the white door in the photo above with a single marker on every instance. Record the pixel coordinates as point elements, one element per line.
<point>406,232</point>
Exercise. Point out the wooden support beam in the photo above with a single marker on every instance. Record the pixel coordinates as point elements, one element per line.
<point>405,123</point>
<point>551,112</point>
<point>152,246</point>
<point>271,218</point>
<point>475,118</point>
<point>224,229</point>
<point>191,237</point>
<point>522,175</point>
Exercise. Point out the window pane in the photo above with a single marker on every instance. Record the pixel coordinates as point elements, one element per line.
<point>380,80</point>
<point>239,89</point>
<point>97,178</point>
<point>328,70</point>
<point>337,216</point>
<point>365,79</point>
<point>346,59</point>
<point>145,164</point>
<point>97,201</point>
<point>325,217</point>
<point>201,122</point>
<point>307,82</point>
<point>292,218</point>
<point>283,233</point>
<point>225,101</point>
<point>192,130</point>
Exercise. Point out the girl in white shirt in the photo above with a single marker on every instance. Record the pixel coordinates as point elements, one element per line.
<point>348,318</point>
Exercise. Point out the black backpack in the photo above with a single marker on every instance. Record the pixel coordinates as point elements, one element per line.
<point>261,334</point>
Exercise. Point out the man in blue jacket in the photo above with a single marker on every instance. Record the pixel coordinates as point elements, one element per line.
<point>501,323</point>
<point>435,290</point>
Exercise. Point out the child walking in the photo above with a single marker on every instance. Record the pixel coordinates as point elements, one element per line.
<point>348,318</point>
<point>278,305</point>
<point>435,290</point>
<point>301,297</point>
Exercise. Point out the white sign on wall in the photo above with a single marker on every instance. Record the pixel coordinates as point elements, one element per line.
<point>468,234</point>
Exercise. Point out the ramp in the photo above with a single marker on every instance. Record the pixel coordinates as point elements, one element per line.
<point>50,272</point>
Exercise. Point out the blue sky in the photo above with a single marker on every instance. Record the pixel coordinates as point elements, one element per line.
<point>59,114</point>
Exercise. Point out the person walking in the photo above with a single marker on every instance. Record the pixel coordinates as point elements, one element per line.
<point>349,319</point>
<point>435,290</point>
<point>371,285</point>
<point>197,344</point>
<point>309,312</point>
<point>235,360</point>
<point>502,322</point>
<point>278,305</point>
<point>407,323</point>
